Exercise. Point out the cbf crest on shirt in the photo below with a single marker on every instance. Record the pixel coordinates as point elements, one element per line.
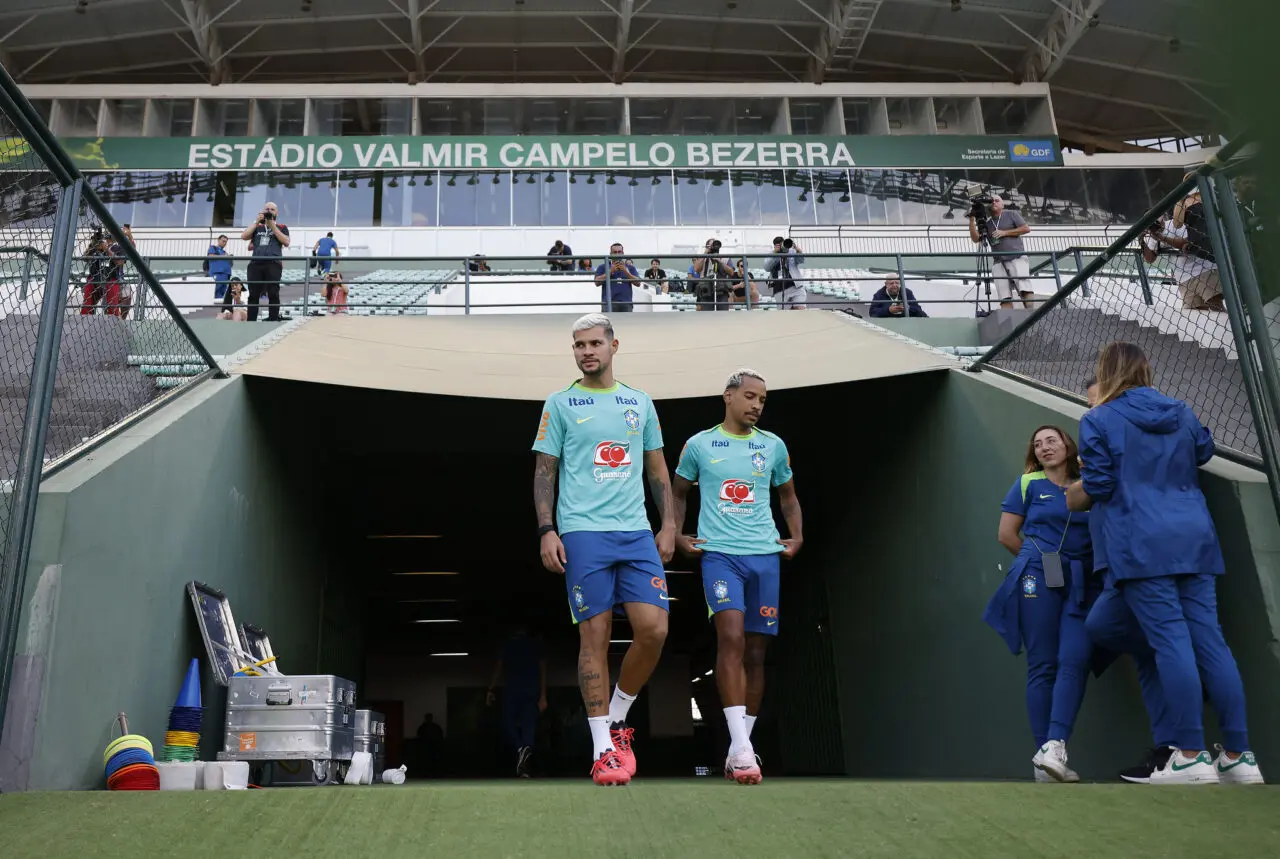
<point>735,476</point>
<point>600,437</point>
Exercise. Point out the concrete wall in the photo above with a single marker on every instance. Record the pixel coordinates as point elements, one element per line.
<point>935,332</point>
<point>220,336</point>
<point>917,670</point>
<point>195,492</point>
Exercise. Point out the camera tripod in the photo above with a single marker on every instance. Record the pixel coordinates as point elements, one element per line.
<point>983,266</point>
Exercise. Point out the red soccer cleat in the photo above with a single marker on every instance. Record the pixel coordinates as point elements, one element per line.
<point>621,736</point>
<point>608,770</point>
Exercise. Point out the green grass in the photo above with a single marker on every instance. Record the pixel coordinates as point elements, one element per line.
<point>704,817</point>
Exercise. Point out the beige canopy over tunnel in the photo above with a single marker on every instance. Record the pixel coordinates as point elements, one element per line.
<point>668,355</point>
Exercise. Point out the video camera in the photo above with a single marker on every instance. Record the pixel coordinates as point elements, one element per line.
<point>980,202</point>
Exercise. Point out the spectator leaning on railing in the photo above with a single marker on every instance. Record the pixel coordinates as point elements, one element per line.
<point>894,301</point>
<point>560,256</point>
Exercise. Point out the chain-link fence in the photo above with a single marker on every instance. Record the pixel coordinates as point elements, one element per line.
<point>71,346</point>
<point>1161,285</point>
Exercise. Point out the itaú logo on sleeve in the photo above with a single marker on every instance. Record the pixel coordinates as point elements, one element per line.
<point>612,461</point>
<point>737,496</point>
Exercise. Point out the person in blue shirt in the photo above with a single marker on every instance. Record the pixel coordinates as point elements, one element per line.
<point>593,437</point>
<point>218,267</point>
<point>326,251</point>
<point>1114,630</point>
<point>1141,453</point>
<point>616,278</point>
<point>895,301</point>
<point>1044,599</point>
<point>736,465</point>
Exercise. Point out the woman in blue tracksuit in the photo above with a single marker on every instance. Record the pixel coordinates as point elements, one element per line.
<point>1043,601</point>
<point>1141,455</point>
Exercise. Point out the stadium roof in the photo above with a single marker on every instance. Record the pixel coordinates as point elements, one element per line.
<point>1119,69</point>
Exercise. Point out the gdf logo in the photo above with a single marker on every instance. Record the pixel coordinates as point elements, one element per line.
<point>738,491</point>
<point>613,454</point>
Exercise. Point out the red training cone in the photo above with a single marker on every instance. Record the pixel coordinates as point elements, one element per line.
<point>190,694</point>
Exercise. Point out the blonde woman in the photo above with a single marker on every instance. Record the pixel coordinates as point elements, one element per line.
<point>1141,453</point>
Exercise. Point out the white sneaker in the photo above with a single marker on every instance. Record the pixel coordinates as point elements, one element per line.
<point>1181,769</point>
<point>1052,759</point>
<point>744,768</point>
<point>1043,777</point>
<point>1243,770</point>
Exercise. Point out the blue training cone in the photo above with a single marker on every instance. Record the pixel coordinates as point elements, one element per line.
<point>190,694</point>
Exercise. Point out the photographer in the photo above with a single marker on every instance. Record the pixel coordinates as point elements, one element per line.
<point>783,267</point>
<point>1194,268</point>
<point>560,256</point>
<point>712,279</point>
<point>616,278</point>
<point>1003,231</point>
<point>268,240</point>
<point>97,257</point>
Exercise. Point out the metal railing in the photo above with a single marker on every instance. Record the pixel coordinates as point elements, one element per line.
<point>948,284</point>
<point>64,376</point>
<point>1205,326</point>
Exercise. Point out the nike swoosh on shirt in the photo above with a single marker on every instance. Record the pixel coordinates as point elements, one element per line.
<point>584,420</point>
<point>1042,497</point>
<point>716,461</point>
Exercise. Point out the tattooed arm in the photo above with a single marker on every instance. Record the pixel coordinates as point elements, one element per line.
<point>544,502</point>
<point>655,468</point>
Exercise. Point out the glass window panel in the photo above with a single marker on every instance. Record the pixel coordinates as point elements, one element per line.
<point>868,198</point>
<point>395,115</point>
<point>127,117</point>
<point>759,197</point>
<point>801,199</point>
<point>284,117</point>
<point>832,203</point>
<point>651,198</point>
<point>541,199</point>
<point>146,199</point>
<point>809,116</point>
<point>618,200</point>
<point>80,117</point>
<point>408,199</point>
<point>357,191</point>
<point>940,193</point>
<point>857,115</point>
<point>911,192</point>
<point>182,116</point>
<point>1065,199</point>
<point>477,199</point>
<point>587,200</point>
<point>232,117</point>
<point>1008,115</point>
<point>703,198</point>
<point>202,199</point>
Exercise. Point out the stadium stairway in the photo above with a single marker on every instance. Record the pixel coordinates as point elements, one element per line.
<point>98,382</point>
<point>1062,350</point>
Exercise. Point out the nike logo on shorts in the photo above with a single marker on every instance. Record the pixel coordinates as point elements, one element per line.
<point>664,597</point>
<point>771,623</point>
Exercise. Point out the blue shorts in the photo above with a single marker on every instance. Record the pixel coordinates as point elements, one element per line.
<point>746,583</point>
<point>607,568</point>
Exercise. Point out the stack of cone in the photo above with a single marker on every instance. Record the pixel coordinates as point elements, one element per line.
<point>182,740</point>
<point>128,762</point>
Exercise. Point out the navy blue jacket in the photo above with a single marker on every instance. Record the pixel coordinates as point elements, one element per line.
<point>1142,453</point>
<point>881,301</point>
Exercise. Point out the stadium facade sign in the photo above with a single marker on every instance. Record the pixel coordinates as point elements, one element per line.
<point>555,153</point>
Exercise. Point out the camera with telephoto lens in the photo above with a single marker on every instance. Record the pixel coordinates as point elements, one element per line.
<point>980,202</point>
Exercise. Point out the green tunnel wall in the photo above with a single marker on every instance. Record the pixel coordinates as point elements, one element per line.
<point>884,668</point>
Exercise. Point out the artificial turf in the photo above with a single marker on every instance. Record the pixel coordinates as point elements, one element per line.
<point>653,818</point>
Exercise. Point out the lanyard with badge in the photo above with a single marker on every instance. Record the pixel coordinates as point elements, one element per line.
<point>1051,562</point>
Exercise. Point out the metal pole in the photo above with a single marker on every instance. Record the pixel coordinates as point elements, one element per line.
<point>142,294</point>
<point>1057,272</point>
<point>26,274</point>
<point>1084,285</point>
<point>1142,278</point>
<point>902,288</point>
<point>35,428</point>
<point>466,288</point>
<point>306,288</point>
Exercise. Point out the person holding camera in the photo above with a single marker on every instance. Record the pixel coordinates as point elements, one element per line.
<point>783,268</point>
<point>1004,229</point>
<point>560,256</point>
<point>268,239</point>
<point>616,278</point>
<point>712,278</point>
<point>97,257</point>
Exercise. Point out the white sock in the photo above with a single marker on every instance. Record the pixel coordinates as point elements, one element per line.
<point>599,735</point>
<point>620,705</point>
<point>737,719</point>
<point>751,723</point>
